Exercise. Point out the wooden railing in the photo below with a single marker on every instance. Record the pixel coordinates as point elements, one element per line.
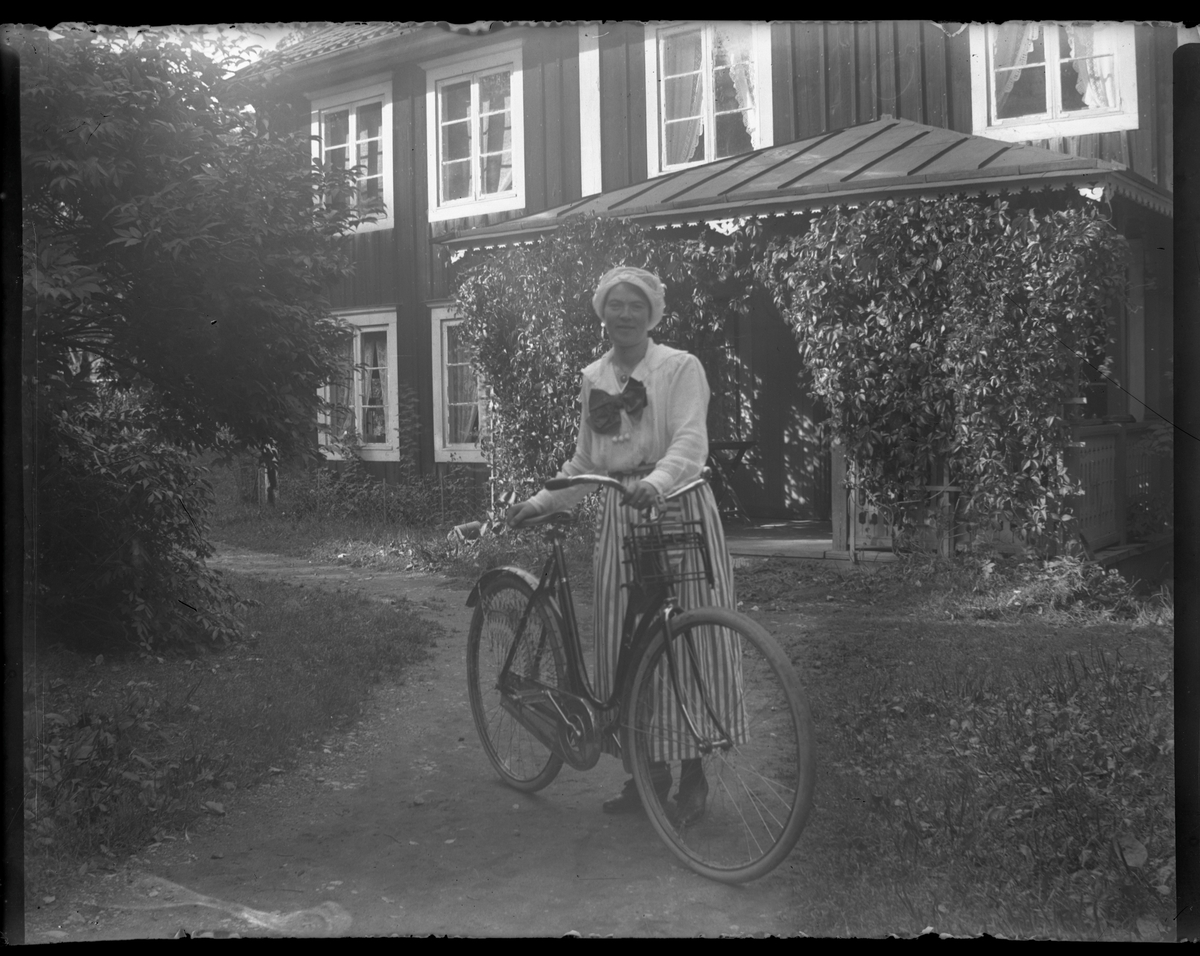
<point>1116,470</point>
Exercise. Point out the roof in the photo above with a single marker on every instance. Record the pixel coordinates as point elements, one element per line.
<point>886,157</point>
<point>333,38</point>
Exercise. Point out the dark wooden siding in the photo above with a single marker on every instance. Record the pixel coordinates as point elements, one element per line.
<point>622,105</point>
<point>551,65</point>
<point>373,280</point>
<point>834,75</point>
<point>412,249</point>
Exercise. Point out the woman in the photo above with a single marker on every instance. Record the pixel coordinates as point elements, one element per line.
<point>644,423</point>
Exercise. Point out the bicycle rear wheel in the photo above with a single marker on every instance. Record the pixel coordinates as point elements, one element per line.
<point>752,740</point>
<point>521,760</point>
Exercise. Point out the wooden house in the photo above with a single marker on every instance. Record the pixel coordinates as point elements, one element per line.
<point>479,139</point>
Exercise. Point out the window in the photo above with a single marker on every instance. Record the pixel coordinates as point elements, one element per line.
<point>363,400</point>
<point>459,398</point>
<point>1044,80</point>
<point>353,127</point>
<point>708,93</point>
<point>476,135</point>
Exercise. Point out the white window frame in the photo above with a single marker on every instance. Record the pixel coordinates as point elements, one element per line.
<point>1046,126</point>
<point>372,321</point>
<point>441,317</point>
<point>373,89</point>
<point>590,168</point>
<point>465,64</point>
<point>764,134</point>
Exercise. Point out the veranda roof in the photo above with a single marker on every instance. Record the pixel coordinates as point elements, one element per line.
<point>886,157</point>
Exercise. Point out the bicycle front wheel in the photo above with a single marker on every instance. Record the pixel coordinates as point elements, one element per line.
<point>520,758</point>
<point>734,729</point>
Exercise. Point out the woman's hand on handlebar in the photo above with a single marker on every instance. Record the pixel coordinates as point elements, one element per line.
<point>642,496</point>
<point>519,513</point>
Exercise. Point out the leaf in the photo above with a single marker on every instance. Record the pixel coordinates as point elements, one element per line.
<point>1130,849</point>
<point>1148,928</point>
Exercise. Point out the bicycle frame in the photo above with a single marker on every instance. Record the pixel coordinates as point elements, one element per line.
<point>645,611</point>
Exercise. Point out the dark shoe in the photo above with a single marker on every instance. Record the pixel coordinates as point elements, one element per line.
<point>629,801</point>
<point>692,797</point>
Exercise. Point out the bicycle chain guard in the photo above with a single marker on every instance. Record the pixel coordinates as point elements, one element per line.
<point>566,726</point>
<point>577,733</point>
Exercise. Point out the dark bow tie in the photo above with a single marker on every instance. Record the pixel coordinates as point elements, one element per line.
<point>604,410</point>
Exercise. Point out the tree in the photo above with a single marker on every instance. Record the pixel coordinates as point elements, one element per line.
<point>176,253</point>
<point>171,236</point>
<point>530,322</point>
<point>949,332</point>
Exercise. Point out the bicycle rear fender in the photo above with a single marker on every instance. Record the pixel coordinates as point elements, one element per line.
<point>647,630</point>
<point>489,576</point>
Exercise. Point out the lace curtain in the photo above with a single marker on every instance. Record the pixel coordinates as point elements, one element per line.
<point>734,52</point>
<point>1011,48</point>
<point>495,134</point>
<point>1093,57</point>
<point>683,96</point>
<point>374,387</point>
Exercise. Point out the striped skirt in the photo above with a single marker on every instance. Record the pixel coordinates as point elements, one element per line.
<point>719,665</point>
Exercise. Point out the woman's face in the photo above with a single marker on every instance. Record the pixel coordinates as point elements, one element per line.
<point>626,315</point>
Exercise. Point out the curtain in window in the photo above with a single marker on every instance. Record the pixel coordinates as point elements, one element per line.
<point>1093,58</point>
<point>370,152</point>
<point>734,45</point>
<point>454,149</point>
<point>682,86</point>
<point>374,387</point>
<point>341,395</point>
<point>1012,43</point>
<point>462,403</point>
<point>495,133</point>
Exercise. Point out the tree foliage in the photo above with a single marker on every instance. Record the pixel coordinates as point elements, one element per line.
<point>124,521</point>
<point>948,332</point>
<point>176,252</point>
<point>173,236</point>
<point>530,322</point>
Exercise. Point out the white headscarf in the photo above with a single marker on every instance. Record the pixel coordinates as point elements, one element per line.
<point>648,282</point>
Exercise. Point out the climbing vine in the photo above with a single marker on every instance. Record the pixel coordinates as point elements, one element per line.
<point>529,320</point>
<point>946,334</point>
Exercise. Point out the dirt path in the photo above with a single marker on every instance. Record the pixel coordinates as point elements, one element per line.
<point>401,827</point>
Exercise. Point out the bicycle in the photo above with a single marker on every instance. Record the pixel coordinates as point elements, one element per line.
<point>535,709</point>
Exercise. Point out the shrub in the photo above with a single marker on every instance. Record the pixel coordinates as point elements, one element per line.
<point>123,517</point>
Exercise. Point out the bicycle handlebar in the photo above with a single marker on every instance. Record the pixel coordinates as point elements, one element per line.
<point>558,484</point>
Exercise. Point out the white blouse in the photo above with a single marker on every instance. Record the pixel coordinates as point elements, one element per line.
<point>669,438</point>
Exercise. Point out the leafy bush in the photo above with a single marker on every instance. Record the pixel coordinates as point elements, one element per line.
<point>123,517</point>
<point>351,493</point>
<point>945,333</point>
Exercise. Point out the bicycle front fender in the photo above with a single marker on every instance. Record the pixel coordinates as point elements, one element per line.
<point>489,576</point>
